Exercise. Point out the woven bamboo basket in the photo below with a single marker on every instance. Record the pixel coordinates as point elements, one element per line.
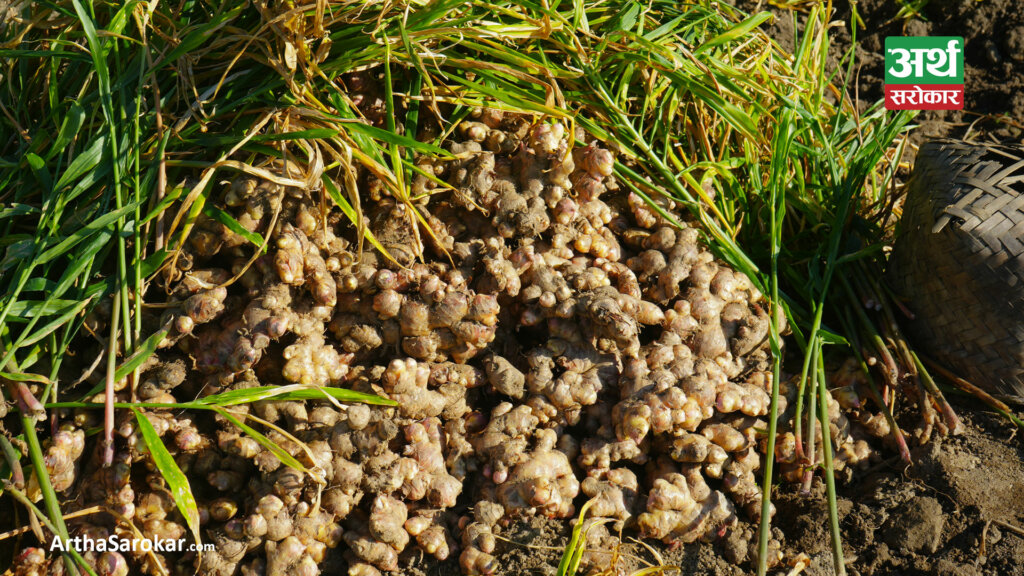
<point>959,260</point>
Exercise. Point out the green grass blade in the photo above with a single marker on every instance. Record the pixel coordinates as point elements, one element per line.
<point>84,232</point>
<point>53,325</point>
<point>177,482</point>
<point>226,219</point>
<point>142,352</point>
<point>291,392</point>
<point>22,377</point>
<point>50,501</point>
<point>830,482</point>
<point>737,32</point>
<point>69,128</point>
<point>146,349</point>
<point>346,208</point>
<point>399,140</point>
<point>281,454</point>
<point>72,553</point>
<point>577,544</point>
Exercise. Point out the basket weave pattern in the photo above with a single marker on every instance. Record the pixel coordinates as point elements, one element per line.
<point>959,259</point>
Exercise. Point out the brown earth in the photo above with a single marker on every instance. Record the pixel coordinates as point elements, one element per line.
<point>993,32</point>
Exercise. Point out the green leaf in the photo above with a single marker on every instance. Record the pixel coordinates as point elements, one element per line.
<point>738,31</point>
<point>293,392</point>
<point>335,194</point>
<point>68,129</point>
<point>233,225</point>
<point>144,351</point>
<point>17,252</point>
<point>18,210</point>
<point>170,198</point>
<point>398,139</point>
<point>199,35</point>
<point>829,337</point>
<point>20,377</point>
<point>120,19</point>
<point>38,285</point>
<point>52,325</point>
<point>85,231</point>
<point>140,355</point>
<point>310,134</point>
<point>81,261</point>
<point>222,140</point>
<point>43,54</point>
<point>508,98</point>
<point>627,18</point>
<point>84,162</point>
<point>153,262</point>
<point>27,309</point>
<point>176,480</point>
<point>365,143</point>
<point>282,455</point>
<point>577,544</point>
<point>38,166</point>
<point>98,54</point>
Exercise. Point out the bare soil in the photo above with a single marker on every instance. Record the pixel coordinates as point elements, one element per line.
<point>993,32</point>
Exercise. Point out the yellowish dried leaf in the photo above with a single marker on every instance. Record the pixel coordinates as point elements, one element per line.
<point>290,56</point>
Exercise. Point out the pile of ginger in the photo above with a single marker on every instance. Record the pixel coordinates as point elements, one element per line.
<point>559,340</point>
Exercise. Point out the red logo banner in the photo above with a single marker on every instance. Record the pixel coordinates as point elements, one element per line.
<point>924,96</point>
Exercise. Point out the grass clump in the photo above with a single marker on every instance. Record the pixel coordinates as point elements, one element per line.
<point>116,121</point>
